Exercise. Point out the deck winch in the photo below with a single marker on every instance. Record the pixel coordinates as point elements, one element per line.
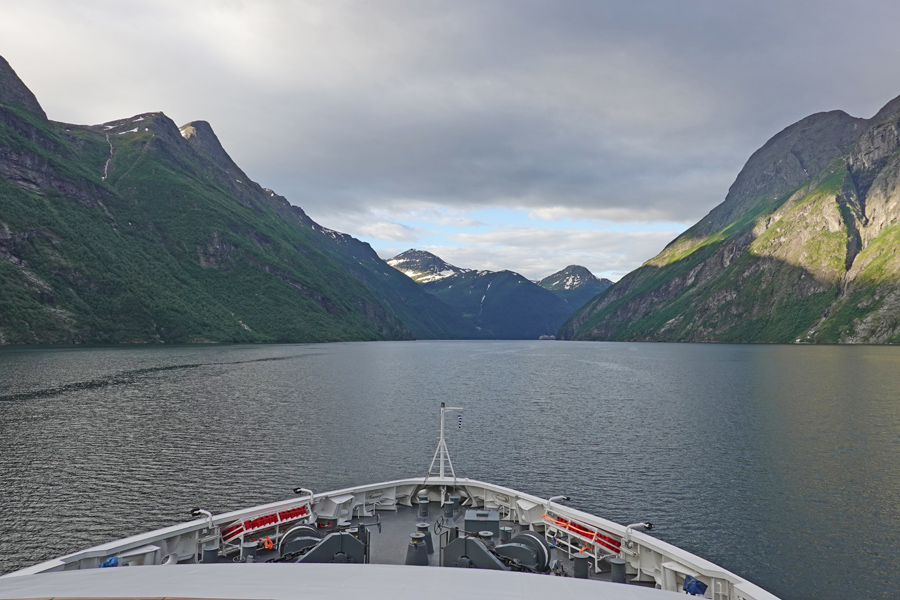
<point>298,538</point>
<point>337,547</point>
<point>307,544</point>
<point>526,551</point>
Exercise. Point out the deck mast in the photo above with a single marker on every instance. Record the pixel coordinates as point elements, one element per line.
<point>441,459</point>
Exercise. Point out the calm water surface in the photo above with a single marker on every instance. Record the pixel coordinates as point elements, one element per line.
<point>780,463</point>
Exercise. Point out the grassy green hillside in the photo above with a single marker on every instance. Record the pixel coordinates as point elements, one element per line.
<point>136,231</point>
<point>162,250</point>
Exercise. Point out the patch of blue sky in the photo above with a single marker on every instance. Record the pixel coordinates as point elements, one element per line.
<point>443,222</point>
<point>609,248</point>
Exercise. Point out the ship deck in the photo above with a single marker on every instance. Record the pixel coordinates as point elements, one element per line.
<point>389,546</point>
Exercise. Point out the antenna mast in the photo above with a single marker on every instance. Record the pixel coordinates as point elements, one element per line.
<point>441,460</point>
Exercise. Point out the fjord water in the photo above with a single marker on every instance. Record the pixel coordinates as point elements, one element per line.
<point>780,463</point>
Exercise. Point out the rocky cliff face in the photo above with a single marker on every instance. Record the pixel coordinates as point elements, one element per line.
<point>804,248</point>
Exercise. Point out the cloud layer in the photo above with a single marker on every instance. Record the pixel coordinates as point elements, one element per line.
<point>634,113</point>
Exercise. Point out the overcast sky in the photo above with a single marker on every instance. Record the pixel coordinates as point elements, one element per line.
<point>523,135</point>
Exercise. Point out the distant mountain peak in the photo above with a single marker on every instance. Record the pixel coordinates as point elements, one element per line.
<point>570,278</point>
<point>503,304</point>
<point>574,284</point>
<point>422,266</point>
<point>14,92</point>
<point>155,122</point>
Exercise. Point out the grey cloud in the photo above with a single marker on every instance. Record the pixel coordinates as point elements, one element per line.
<point>644,107</point>
<point>517,112</point>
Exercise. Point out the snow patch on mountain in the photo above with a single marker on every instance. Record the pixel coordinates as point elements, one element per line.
<point>424,267</point>
<point>570,278</point>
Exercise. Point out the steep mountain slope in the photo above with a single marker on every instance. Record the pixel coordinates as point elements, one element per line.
<point>574,284</point>
<point>426,316</point>
<point>136,231</point>
<point>804,248</point>
<point>422,267</point>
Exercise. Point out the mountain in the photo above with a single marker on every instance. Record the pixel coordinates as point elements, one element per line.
<point>803,249</point>
<point>574,284</point>
<point>422,267</point>
<point>500,305</point>
<point>137,230</point>
<point>425,315</point>
<point>503,305</point>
